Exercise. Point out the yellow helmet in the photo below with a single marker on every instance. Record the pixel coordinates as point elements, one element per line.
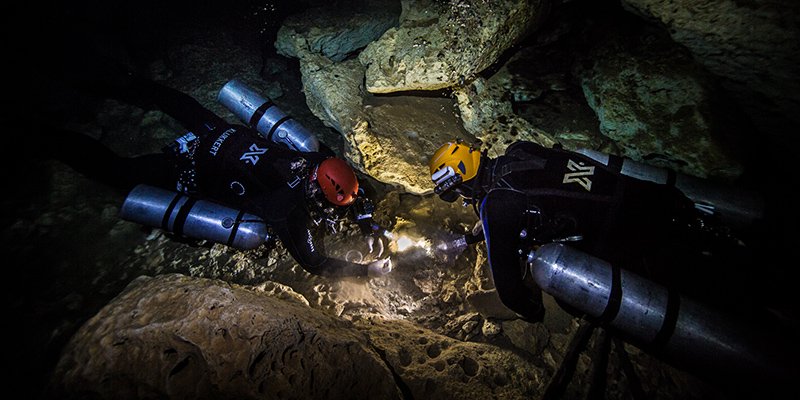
<point>452,164</point>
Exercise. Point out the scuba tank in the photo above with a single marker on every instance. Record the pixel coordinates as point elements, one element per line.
<point>733,207</point>
<point>198,219</point>
<point>265,117</point>
<point>669,325</point>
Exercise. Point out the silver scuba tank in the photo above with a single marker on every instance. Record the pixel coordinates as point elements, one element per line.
<point>654,318</point>
<point>266,117</point>
<point>198,219</point>
<point>733,206</point>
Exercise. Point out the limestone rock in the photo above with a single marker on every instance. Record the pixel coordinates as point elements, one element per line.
<point>178,337</point>
<point>172,336</point>
<point>333,91</point>
<point>488,115</point>
<point>434,366</point>
<point>443,44</point>
<point>530,98</point>
<point>389,138</point>
<point>488,303</point>
<point>658,106</point>
<point>335,30</point>
<point>531,337</point>
<point>400,135</point>
<point>754,46</point>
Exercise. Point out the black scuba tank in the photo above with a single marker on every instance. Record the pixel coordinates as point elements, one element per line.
<point>190,217</point>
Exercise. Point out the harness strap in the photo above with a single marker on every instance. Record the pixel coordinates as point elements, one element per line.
<point>183,213</point>
<point>235,228</point>
<point>670,321</point>
<point>615,297</point>
<point>260,111</point>
<point>172,204</point>
<point>615,163</point>
<point>516,166</point>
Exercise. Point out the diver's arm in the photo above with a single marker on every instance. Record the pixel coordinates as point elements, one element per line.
<point>363,208</point>
<point>471,238</point>
<point>373,233</point>
<point>362,213</point>
<point>461,242</point>
<point>308,251</point>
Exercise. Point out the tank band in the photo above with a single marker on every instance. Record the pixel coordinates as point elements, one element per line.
<point>615,163</point>
<point>168,213</point>
<point>671,177</point>
<point>615,297</point>
<point>235,228</point>
<point>670,320</point>
<point>275,127</point>
<point>183,213</point>
<point>260,111</point>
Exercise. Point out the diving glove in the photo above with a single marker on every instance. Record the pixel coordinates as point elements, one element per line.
<point>372,241</point>
<point>379,268</point>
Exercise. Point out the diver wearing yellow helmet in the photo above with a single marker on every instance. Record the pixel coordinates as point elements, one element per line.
<point>531,195</point>
<point>453,164</point>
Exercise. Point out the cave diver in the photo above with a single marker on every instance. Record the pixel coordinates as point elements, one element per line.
<point>229,183</point>
<point>627,245</point>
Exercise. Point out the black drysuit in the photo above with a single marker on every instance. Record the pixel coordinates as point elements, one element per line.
<point>231,164</point>
<point>558,195</point>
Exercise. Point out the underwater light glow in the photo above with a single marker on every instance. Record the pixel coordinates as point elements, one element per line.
<point>404,243</point>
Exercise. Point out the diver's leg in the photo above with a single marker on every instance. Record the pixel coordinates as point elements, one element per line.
<point>117,81</point>
<point>524,300</point>
<point>178,105</point>
<point>501,214</point>
<point>92,159</point>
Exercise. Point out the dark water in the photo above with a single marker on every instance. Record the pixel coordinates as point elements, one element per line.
<point>66,265</point>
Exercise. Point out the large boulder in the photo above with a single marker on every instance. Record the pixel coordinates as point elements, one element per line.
<point>388,138</point>
<point>754,46</point>
<point>659,107</point>
<point>178,337</point>
<point>335,30</point>
<point>434,366</point>
<point>488,115</point>
<point>443,44</point>
<point>172,336</point>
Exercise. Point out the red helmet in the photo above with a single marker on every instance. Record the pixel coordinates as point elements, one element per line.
<point>338,181</point>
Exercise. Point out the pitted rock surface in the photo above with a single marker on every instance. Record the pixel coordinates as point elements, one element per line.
<point>434,366</point>
<point>174,335</point>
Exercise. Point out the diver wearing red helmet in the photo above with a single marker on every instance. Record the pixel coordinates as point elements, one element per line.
<point>297,193</point>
